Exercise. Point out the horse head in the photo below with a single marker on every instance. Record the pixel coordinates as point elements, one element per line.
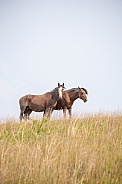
<point>82,93</point>
<point>60,90</point>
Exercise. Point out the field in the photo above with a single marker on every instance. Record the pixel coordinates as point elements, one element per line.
<point>78,151</point>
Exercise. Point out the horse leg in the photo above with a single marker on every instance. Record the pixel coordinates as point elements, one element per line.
<point>70,112</point>
<point>64,113</point>
<point>50,113</point>
<point>44,114</point>
<point>47,113</point>
<point>21,115</point>
<point>27,114</point>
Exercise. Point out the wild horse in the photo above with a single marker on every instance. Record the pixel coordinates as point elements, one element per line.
<point>69,96</point>
<point>39,103</point>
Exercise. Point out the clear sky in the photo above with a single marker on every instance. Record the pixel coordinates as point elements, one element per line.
<point>78,42</point>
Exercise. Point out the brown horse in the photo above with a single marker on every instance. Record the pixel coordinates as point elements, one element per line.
<point>69,96</point>
<point>39,103</point>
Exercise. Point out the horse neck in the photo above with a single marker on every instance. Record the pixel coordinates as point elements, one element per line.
<point>73,95</point>
<point>55,94</point>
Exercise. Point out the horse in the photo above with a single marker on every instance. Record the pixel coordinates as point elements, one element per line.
<point>40,103</point>
<point>69,96</point>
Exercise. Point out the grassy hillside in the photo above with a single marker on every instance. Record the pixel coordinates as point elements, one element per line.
<point>76,151</point>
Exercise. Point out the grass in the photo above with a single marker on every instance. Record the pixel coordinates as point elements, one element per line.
<point>78,151</point>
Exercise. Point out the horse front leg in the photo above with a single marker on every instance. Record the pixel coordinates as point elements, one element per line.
<point>64,113</point>
<point>51,111</point>
<point>44,114</point>
<point>70,113</point>
<point>47,113</point>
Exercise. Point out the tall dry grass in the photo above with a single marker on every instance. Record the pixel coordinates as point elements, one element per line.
<point>77,151</point>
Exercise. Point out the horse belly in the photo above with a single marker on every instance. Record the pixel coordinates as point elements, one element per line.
<point>37,106</point>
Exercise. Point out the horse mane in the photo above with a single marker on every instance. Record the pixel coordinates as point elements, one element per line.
<point>85,91</point>
<point>75,89</point>
<point>54,89</point>
<point>71,90</point>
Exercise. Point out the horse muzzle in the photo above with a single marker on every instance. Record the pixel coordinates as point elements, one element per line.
<point>85,100</point>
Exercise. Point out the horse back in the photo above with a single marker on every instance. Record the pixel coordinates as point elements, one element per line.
<point>37,102</point>
<point>41,100</point>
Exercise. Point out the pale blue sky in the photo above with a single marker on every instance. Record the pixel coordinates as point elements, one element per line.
<point>78,42</point>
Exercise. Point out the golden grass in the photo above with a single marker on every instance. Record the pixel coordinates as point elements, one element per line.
<point>78,151</point>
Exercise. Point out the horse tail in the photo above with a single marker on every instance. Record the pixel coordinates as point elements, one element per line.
<point>26,100</point>
<point>23,102</point>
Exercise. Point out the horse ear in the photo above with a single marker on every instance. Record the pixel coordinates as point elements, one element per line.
<point>78,87</point>
<point>63,86</point>
<point>58,84</point>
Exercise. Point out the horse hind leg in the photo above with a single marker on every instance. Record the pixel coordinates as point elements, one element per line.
<point>21,115</point>
<point>24,113</point>
<point>27,113</point>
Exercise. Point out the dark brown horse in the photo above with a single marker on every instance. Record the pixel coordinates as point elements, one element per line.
<point>69,96</point>
<point>39,103</point>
